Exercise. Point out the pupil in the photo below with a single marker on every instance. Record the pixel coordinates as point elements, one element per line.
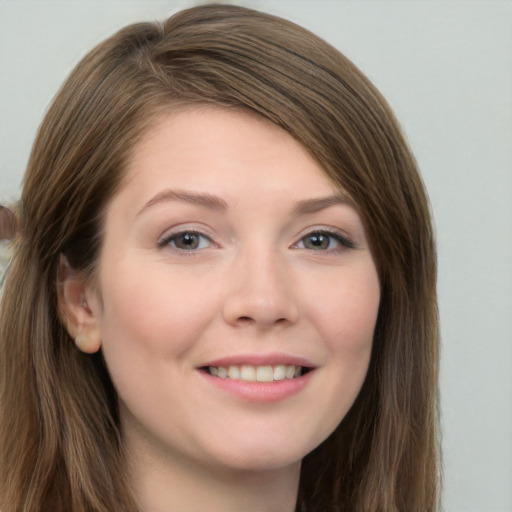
<point>318,241</point>
<point>188,241</point>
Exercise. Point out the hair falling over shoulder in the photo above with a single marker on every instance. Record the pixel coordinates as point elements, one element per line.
<point>60,443</point>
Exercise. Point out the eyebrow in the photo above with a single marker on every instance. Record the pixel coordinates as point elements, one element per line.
<point>212,202</point>
<point>315,205</point>
<point>207,200</point>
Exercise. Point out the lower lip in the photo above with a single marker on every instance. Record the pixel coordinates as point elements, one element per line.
<point>262,392</point>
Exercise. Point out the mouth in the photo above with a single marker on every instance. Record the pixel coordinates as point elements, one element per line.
<point>263,373</point>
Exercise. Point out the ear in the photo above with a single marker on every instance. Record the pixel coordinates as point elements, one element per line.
<point>79,307</point>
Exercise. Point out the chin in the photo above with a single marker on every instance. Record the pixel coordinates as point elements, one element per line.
<point>258,455</point>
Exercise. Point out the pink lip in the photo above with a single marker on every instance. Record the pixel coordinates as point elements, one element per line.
<point>260,360</point>
<point>261,392</point>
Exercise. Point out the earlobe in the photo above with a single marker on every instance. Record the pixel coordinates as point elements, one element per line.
<point>78,309</point>
<point>89,343</point>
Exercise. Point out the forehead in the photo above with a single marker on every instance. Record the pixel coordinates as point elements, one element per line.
<point>209,148</point>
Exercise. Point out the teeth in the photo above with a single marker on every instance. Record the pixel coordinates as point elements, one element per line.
<point>264,374</point>
<point>250,373</point>
<point>234,372</point>
<point>279,372</point>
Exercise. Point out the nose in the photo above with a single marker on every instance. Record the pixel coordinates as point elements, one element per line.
<point>261,292</point>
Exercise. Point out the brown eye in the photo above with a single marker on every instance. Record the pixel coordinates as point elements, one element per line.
<point>317,241</point>
<point>324,241</point>
<point>186,241</point>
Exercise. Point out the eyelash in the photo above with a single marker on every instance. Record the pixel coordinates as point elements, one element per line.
<point>342,240</point>
<point>172,237</point>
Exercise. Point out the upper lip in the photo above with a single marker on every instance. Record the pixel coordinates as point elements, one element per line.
<point>260,360</point>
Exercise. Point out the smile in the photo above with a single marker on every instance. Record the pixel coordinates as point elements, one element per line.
<point>250,373</point>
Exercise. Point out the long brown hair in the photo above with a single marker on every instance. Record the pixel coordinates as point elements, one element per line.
<point>60,444</point>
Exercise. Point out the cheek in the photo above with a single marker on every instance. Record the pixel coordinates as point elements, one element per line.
<point>153,312</point>
<point>349,312</point>
<point>348,326</point>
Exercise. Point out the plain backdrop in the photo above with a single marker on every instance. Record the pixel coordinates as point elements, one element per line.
<point>446,68</point>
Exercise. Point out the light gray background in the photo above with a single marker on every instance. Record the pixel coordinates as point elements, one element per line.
<point>446,68</point>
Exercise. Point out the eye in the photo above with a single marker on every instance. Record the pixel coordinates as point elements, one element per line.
<point>186,241</point>
<point>324,241</point>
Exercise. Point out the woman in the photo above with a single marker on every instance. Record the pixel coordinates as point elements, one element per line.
<point>222,296</point>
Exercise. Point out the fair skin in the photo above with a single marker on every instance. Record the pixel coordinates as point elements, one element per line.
<point>227,250</point>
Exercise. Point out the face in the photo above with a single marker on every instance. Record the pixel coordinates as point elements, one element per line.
<point>236,294</point>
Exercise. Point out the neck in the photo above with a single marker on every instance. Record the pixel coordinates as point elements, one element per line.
<point>164,482</point>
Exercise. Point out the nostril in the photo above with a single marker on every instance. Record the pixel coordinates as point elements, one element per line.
<point>244,320</point>
<point>247,307</point>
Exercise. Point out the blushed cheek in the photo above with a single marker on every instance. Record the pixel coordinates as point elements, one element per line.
<point>352,318</point>
<point>152,316</point>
